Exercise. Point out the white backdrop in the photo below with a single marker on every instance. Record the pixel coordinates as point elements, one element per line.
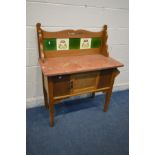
<point>87,14</point>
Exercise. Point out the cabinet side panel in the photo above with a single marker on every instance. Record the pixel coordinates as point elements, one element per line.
<point>105,78</point>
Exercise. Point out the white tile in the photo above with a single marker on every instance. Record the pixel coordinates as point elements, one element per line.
<point>116,3</point>
<point>118,36</point>
<point>123,77</point>
<point>34,102</point>
<point>27,58</point>
<point>120,87</point>
<point>33,74</point>
<point>97,3</point>
<point>29,90</point>
<point>31,38</point>
<point>33,90</point>
<point>38,90</point>
<point>62,15</point>
<point>58,15</point>
<point>120,53</point>
<point>94,3</point>
<point>32,57</point>
<point>62,44</point>
<point>85,43</point>
<point>116,18</point>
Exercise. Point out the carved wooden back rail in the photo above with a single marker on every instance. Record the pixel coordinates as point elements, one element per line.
<point>74,62</point>
<point>73,34</point>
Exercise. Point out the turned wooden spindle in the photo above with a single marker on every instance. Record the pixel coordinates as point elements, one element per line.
<point>40,42</point>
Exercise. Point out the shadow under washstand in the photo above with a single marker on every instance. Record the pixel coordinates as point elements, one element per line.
<point>76,104</point>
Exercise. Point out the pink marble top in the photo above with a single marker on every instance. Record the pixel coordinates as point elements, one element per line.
<point>75,64</point>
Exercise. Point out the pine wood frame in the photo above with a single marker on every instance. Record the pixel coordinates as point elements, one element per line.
<point>104,79</point>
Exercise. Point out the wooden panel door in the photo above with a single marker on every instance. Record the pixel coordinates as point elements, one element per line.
<point>83,82</point>
<point>61,85</point>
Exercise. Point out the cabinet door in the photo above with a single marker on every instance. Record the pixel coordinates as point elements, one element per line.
<point>105,78</point>
<point>61,85</point>
<point>83,82</point>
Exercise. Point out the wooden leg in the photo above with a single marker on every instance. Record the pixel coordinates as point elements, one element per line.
<point>51,101</point>
<point>107,100</point>
<point>51,111</point>
<point>93,95</point>
<point>108,94</point>
<point>45,98</point>
<point>45,93</point>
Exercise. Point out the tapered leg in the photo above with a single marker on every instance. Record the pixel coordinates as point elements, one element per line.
<point>51,101</point>
<point>107,100</point>
<point>45,93</point>
<point>93,95</point>
<point>108,94</point>
<point>45,98</point>
<point>51,113</point>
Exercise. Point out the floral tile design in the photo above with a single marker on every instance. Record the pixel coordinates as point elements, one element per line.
<point>54,44</point>
<point>63,44</point>
<point>85,43</point>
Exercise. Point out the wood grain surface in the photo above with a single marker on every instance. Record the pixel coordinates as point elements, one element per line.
<point>74,64</point>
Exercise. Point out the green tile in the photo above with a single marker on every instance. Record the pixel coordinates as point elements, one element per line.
<point>74,43</point>
<point>96,42</point>
<point>49,44</point>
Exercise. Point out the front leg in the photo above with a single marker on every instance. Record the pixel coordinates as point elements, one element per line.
<point>51,113</point>
<point>44,92</point>
<point>107,100</point>
<point>51,101</point>
<point>109,92</point>
<point>93,94</point>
